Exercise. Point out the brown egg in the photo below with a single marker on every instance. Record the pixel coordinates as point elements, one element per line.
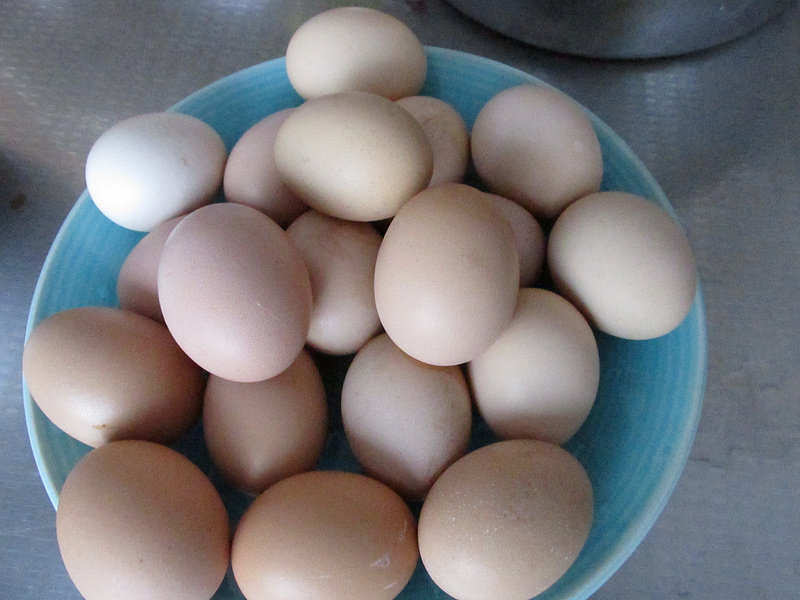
<point>103,374</point>
<point>529,238</point>
<point>353,48</point>
<point>536,146</point>
<point>353,155</point>
<point>447,275</point>
<point>258,433</point>
<point>625,262</point>
<point>405,420</point>
<point>447,134</point>
<point>138,520</point>
<point>506,521</point>
<point>251,176</point>
<point>137,282</point>
<point>340,256</point>
<point>235,292</point>
<point>539,378</point>
<point>325,534</point>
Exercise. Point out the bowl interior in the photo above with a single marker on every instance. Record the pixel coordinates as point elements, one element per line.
<point>636,439</point>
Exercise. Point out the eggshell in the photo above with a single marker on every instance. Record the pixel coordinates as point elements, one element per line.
<point>234,292</point>
<point>152,167</point>
<point>528,236</point>
<point>325,534</point>
<point>506,521</point>
<point>353,155</point>
<point>340,256</point>
<point>536,146</point>
<point>137,282</point>
<point>102,374</point>
<point>539,378</point>
<point>447,133</point>
<point>355,49</point>
<point>138,520</point>
<point>251,176</point>
<point>447,275</point>
<point>258,433</point>
<point>625,262</point>
<point>405,421</point>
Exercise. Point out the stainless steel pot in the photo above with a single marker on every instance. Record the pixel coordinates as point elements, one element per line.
<point>622,28</point>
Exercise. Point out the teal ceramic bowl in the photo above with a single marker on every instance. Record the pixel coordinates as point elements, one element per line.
<point>635,441</point>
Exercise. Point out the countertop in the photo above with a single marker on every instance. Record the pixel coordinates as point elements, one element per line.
<point>719,129</point>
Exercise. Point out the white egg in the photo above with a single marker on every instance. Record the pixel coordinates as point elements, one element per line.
<point>152,167</point>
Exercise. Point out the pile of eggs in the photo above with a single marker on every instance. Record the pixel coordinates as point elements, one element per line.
<point>350,226</point>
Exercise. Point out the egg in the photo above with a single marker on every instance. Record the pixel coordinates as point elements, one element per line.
<point>405,421</point>
<point>506,521</point>
<point>447,133</point>
<point>353,155</point>
<point>536,146</point>
<point>340,256</point>
<point>528,236</point>
<point>355,49</point>
<point>447,275</point>
<point>234,292</point>
<point>137,282</point>
<point>138,520</point>
<point>150,168</point>
<point>539,379</point>
<point>258,433</point>
<point>102,374</point>
<point>625,263</point>
<point>325,534</point>
<point>251,176</point>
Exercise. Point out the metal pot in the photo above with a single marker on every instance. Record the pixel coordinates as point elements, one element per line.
<point>622,28</point>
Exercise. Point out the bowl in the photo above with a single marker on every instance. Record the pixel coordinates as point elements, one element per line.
<point>634,442</point>
<point>628,30</point>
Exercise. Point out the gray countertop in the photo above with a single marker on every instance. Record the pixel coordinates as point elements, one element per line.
<point>719,129</point>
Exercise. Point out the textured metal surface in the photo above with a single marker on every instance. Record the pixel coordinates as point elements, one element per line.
<point>720,130</point>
